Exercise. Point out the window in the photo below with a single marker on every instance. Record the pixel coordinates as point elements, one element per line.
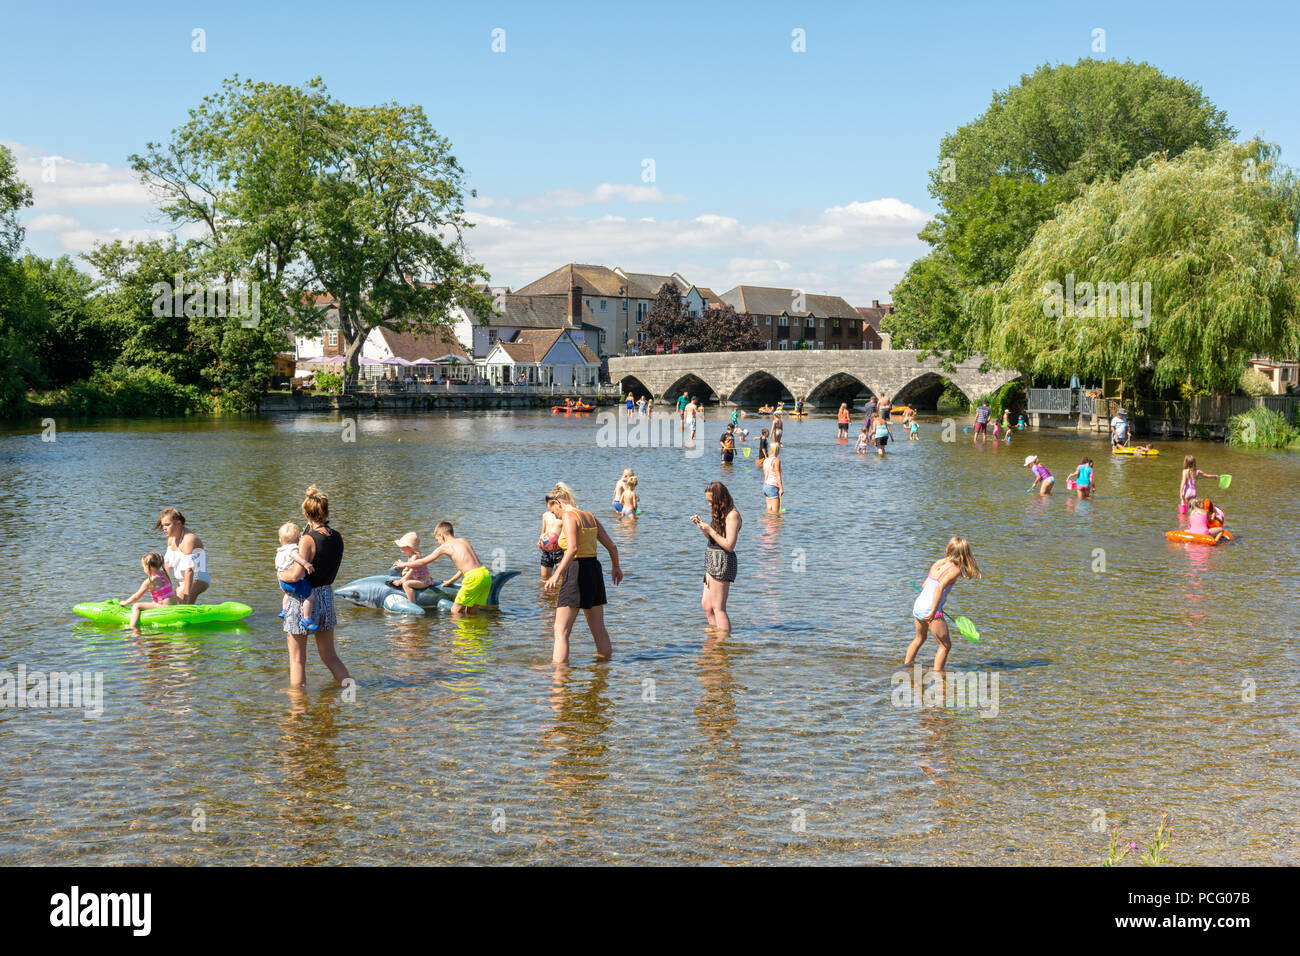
<point>769,320</point>
<point>811,323</point>
<point>492,337</point>
<point>625,308</point>
<point>821,345</point>
<point>783,344</point>
<point>785,321</point>
<point>853,326</point>
<point>332,338</point>
<point>835,346</point>
<point>835,323</point>
<point>821,323</point>
<point>604,305</point>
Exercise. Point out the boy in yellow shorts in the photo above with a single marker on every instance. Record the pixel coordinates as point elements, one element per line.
<point>478,579</point>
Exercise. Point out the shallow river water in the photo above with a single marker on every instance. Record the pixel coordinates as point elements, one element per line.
<point>1124,676</point>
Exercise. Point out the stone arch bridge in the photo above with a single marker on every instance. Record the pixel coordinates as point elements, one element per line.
<point>823,378</point>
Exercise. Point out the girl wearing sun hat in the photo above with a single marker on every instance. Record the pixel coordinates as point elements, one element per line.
<point>1041,474</point>
<point>412,579</point>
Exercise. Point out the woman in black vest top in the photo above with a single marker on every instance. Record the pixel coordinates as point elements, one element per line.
<point>322,548</point>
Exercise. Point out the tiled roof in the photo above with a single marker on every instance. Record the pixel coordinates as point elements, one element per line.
<point>873,314</point>
<point>711,299</point>
<point>652,283</point>
<point>595,280</point>
<point>537,311</point>
<point>421,345</point>
<point>532,345</point>
<point>765,300</point>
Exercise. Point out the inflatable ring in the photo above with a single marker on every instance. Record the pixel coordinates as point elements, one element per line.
<point>1188,537</point>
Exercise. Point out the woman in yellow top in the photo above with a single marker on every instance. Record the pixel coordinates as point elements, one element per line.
<point>579,577</point>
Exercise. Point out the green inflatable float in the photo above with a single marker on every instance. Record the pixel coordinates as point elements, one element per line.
<point>177,615</point>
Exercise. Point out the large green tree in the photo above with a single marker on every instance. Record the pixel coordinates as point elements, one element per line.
<point>1199,259</point>
<point>1038,145</point>
<point>21,315</point>
<point>306,194</point>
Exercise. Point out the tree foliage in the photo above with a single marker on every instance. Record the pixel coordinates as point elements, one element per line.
<point>306,194</point>
<point>717,330</point>
<point>1212,232</point>
<point>1037,147</point>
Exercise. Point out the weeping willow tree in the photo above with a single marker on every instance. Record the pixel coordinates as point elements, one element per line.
<point>1184,267</point>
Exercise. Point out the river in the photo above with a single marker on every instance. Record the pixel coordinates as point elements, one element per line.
<point>1126,676</point>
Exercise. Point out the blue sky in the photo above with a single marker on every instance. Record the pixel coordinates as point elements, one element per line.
<point>771,167</point>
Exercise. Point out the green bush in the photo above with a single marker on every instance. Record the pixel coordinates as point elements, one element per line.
<point>1256,383</point>
<point>127,392</point>
<point>328,382</point>
<point>1261,428</point>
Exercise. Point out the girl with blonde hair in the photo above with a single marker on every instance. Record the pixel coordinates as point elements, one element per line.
<point>579,578</point>
<point>927,610</point>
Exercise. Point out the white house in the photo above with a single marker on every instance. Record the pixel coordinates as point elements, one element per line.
<point>517,313</point>
<point>542,357</point>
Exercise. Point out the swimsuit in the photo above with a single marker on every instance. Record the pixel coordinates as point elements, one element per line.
<point>770,475</point>
<point>926,599</point>
<point>1197,524</point>
<point>1189,487</point>
<point>161,594</point>
<point>583,584</point>
<point>1085,476</point>
<point>475,587</point>
<point>178,562</point>
<point>1042,473</point>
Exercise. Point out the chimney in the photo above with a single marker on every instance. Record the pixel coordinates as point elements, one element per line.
<point>575,301</point>
<point>875,303</point>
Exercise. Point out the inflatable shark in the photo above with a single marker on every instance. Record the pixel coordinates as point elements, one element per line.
<point>375,591</point>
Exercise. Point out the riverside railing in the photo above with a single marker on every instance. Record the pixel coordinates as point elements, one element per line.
<point>389,387</point>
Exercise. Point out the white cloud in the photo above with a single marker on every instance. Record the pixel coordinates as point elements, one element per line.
<point>570,198</point>
<point>82,240</point>
<point>51,222</point>
<point>59,181</point>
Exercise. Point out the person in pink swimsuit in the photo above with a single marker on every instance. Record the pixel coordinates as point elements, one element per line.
<point>157,582</point>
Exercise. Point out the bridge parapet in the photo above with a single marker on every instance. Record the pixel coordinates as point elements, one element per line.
<point>822,377</point>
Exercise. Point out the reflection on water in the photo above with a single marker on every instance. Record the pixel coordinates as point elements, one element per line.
<point>1135,675</point>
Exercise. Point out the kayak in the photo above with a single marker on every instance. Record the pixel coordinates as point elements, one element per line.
<point>900,410</point>
<point>572,408</point>
<point>1142,452</point>
<point>1190,538</point>
<point>177,615</point>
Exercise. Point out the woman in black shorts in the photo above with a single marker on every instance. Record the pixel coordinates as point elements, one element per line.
<point>579,577</point>
<point>322,547</point>
<point>719,553</point>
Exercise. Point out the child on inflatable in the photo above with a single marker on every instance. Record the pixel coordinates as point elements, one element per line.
<point>1041,474</point>
<point>157,582</point>
<point>477,583</point>
<point>1198,520</point>
<point>413,578</point>
<point>292,569</point>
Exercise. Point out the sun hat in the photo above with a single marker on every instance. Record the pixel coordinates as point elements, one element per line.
<point>409,540</point>
<point>1029,460</point>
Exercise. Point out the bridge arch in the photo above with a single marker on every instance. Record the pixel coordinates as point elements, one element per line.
<point>759,388</point>
<point>692,385</point>
<point>630,383</point>
<point>923,391</point>
<point>840,387</point>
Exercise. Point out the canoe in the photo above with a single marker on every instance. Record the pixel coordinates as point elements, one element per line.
<point>572,408</point>
<point>1143,453</point>
<point>177,615</point>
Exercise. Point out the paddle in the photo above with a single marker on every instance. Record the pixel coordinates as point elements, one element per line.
<point>1225,480</point>
<point>964,625</point>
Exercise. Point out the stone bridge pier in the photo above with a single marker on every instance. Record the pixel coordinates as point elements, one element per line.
<point>822,378</point>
